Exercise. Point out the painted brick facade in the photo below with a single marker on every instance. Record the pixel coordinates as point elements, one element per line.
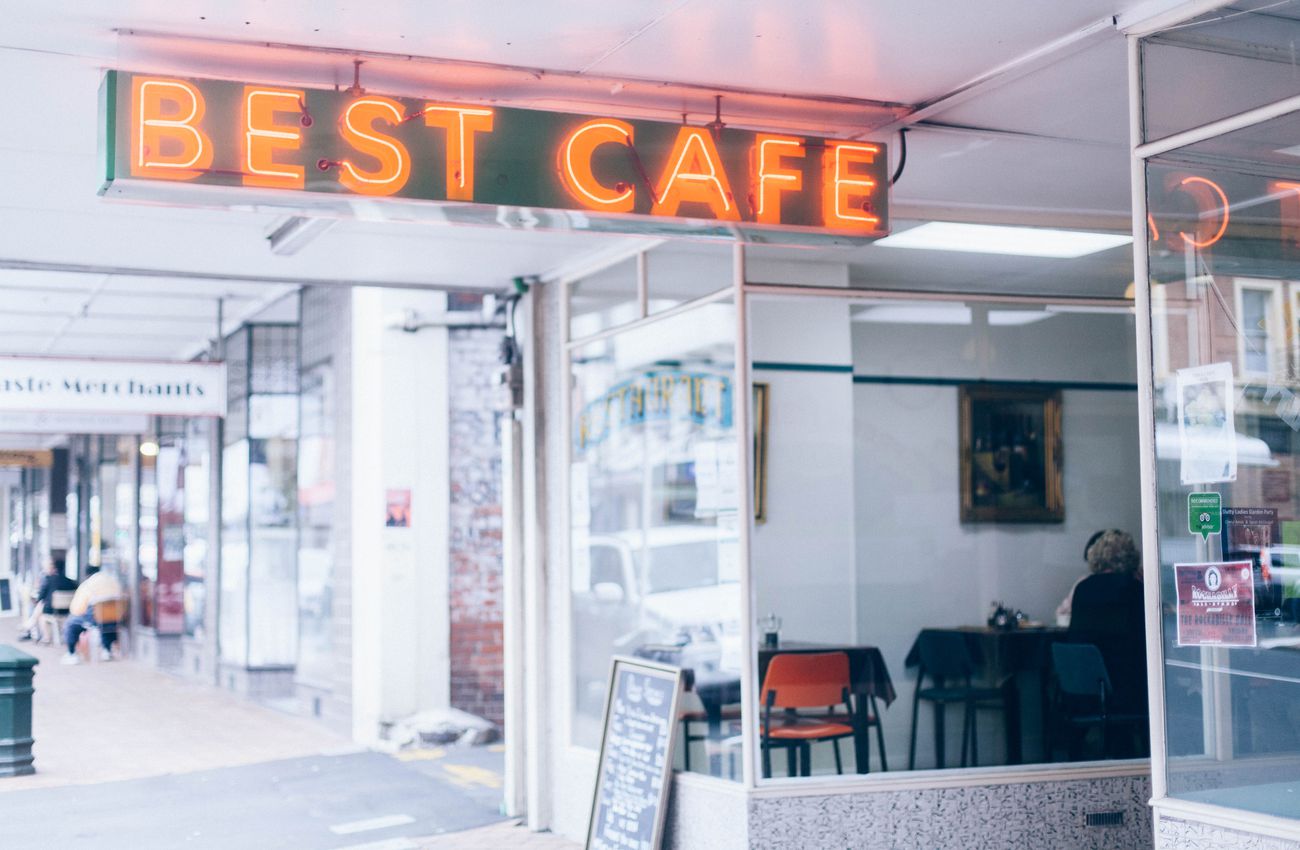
<point>477,681</point>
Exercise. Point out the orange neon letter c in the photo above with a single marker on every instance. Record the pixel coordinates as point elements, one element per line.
<point>1208,195</point>
<point>394,162</point>
<point>166,139</point>
<point>576,173</point>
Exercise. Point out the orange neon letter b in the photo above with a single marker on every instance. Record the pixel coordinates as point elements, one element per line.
<point>461,123</point>
<point>841,187</point>
<point>575,165</point>
<point>693,174</point>
<point>770,179</point>
<point>263,136</point>
<point>166,140</point>
<point>394,162</point>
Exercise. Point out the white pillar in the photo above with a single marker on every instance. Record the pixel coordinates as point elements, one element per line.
<point>400,621</point>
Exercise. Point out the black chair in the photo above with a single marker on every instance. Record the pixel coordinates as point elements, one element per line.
<point>946,659</point>
<point>1084,696</point>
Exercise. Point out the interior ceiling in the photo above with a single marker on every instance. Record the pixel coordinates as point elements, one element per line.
<point>1044,147</point>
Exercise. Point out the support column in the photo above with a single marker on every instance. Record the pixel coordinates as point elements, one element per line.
<point>400,623</point>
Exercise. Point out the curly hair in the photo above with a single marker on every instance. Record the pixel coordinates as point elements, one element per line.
<point>1114,552</point>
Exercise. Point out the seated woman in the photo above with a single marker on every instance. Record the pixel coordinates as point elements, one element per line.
<point>99,587</point>
<point>1107,610</point>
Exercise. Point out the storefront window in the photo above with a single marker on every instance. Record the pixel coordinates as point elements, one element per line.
<point>259,547</point>
<point>1225,272</point>
<point>316,498</point>
<point>147,541</point>
<point>928,475</point>
<point>655,568</point>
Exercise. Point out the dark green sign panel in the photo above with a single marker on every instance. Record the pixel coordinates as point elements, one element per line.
<point>302,146</point>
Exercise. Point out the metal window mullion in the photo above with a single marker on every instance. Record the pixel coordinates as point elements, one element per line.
<point>742,407</point>
<point>1149,481</point>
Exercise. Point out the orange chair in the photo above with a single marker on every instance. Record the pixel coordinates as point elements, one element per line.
<point>810,681</point>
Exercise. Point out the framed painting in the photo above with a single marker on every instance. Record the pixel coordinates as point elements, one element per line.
<point>1010,454</point>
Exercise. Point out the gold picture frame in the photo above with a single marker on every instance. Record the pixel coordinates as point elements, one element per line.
<point>761,391</point>
<point>1010,454</point>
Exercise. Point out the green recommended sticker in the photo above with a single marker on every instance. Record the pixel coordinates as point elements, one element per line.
<point>1204,514</point>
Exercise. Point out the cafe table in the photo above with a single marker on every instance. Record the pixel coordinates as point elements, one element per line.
<point>717,689</point>
<point>1004,658</point>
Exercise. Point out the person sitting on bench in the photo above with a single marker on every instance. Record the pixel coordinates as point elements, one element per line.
<point>99,587</point>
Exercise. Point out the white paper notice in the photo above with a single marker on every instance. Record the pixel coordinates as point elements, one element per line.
<point>1207,434</point>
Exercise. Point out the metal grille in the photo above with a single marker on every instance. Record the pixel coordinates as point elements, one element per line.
<point>324,312</point>
<point>237,364</point>
<point>1104,819</point>
<point>275,359</point>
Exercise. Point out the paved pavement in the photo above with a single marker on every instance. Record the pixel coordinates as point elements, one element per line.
<point>112,721</point>
<point>160,763</point>
<point>504,836</point>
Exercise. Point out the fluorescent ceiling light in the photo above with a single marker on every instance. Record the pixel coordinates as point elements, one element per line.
<point>915,314</point>
<point>943,314</point>
<point>1294,150</point>
<point>1013,241</point>
<point>1011,318</point>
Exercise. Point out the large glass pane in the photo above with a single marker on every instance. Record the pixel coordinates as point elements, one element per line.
<point>196,493</point>
<point>1229,60</point>
<point>316,496</point>
<point>1225,262</point>
<point>929,475</point>
<point>604,299</point>
<point>654,568</point>
<point>677,272</point>
<point>233,622</point>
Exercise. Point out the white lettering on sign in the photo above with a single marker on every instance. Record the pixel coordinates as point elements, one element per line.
<point>59,385</point>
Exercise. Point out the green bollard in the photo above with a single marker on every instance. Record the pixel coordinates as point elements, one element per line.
<point>16,712</point>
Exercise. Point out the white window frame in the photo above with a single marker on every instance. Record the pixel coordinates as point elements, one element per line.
<point>753,785</point>
<point>1275,325</point>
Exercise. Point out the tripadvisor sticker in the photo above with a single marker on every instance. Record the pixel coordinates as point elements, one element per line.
<point>1204,514</point>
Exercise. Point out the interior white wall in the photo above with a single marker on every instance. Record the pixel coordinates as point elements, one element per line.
<point>802,557</point>
<point>918,565</point>
<point>401,651</point>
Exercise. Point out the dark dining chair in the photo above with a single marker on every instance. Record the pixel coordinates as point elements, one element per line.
<point>945,658</point>
<point>794,681</point>
<point>1084,698</point>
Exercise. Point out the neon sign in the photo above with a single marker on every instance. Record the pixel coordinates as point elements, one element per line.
<point>628,174</point>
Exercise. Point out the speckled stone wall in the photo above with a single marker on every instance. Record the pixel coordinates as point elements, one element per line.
<point>706,814</point>
<point>1176,834</point>
<point>1029,816</point>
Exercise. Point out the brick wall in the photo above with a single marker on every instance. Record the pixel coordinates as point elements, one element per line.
<point>476,557</point>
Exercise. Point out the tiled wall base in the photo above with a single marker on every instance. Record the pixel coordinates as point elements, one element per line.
<point>1177,834</point>
<point>1043,816</point>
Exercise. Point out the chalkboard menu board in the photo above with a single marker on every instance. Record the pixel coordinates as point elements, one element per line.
<point>636,751</point>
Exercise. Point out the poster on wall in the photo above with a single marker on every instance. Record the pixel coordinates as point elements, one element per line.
<point>1207,435</point>
<point>1216,604</point>
<point>398,512</point>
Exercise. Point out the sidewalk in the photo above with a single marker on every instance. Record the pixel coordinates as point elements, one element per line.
<point>502,835</point>
<point>110,721</point>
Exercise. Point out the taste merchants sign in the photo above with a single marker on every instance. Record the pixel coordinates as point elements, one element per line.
<point>1216,604</point>
<point>70,385</point>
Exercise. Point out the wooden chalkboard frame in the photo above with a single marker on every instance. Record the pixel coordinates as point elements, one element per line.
<point>662,671</point>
